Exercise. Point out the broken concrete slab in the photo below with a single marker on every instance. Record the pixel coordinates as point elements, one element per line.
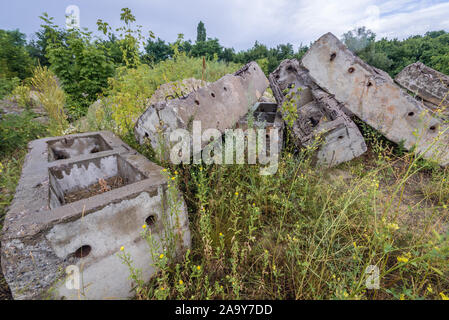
<point>45,231</point>
<point>430,85</point>
<point>319,116</point>
<point>289,75</point>
<point>220,105</point>
<point>374,98</point>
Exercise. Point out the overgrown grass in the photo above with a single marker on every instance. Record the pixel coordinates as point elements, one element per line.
<point>303,233</point>
<point>308,233</point>
<point>130,90</point>
<point>52,98</point>
<point>15,133</point>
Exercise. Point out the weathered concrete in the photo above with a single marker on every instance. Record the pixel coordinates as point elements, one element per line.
<point>43,234</point>
<point>319,115</point>
<point>219,105</point>
<point>373,97</point>
<point>427,83</point>
<point>264,115</point>
<point>176,89</point>
<point>287,76</point>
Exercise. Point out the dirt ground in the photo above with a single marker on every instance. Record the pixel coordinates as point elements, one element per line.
<point>95,189</point>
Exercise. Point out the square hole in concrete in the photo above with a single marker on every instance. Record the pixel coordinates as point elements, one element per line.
<point>66,148</point>
<point>85,179</point>
<point>267,107</point>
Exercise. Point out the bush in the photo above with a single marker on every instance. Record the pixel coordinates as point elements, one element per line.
<point>17,130</point>
<point>131,89</point>
<point>7,85</point>
<point>82,67</point>
<point>52,98</point>
<point>21,94</point>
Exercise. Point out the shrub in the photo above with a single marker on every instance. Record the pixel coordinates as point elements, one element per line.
<point>7,85</point>
<point>52,98</point>
<point>21,94</point>
<point>17,130</point>
<point>82,67</point>
<point>131,89</point>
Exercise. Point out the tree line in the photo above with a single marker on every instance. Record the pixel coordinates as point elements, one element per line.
<point>84,62</point>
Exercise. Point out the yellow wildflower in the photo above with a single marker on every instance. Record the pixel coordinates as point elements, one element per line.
<point>181,282</point>
<point>402,259</point>
<point>402,297</point>
<point>122,248</point>
<point>198,267</point>
<point>236,193</point>
<point>144,226</point>
<point>443,296</point>
<point>161,256</point>
<point>393,226</point>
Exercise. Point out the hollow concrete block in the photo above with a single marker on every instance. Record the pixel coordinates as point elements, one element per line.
<point>45,231</point>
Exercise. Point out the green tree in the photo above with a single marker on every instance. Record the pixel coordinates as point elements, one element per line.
<point>362,42</point>
<point>14,58</point>
<point>81,65</point>
<point>358,39</point>
<point>208,49</point>
<point>129,39</point>
<point>200,32</point>
<point>157,50</point>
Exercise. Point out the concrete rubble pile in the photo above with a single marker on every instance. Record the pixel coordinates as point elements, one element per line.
<point>318,114</point>
<point>59,219</point>
<point>53,225</point>
<point>372,96</point>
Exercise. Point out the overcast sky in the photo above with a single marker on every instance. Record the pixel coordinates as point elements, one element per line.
<point>239,23</point>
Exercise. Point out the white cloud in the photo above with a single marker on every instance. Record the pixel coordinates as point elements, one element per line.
<point>239,23</point>
<point>274,22</point>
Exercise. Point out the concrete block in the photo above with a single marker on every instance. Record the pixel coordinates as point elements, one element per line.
<point>288,75</point>
<point>374,98</point>
<point>430,85</point>
<point>318,115</point>
<point>81,198</point>
<point>219,105</point>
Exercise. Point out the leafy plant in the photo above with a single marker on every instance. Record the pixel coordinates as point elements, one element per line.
<point>82,67</point>
<point>52,98</point>
<point>17,130</point>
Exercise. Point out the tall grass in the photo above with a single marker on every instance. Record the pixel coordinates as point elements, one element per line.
<point>131,89</point>
<point>52,98</point>
<point>310,233</point>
